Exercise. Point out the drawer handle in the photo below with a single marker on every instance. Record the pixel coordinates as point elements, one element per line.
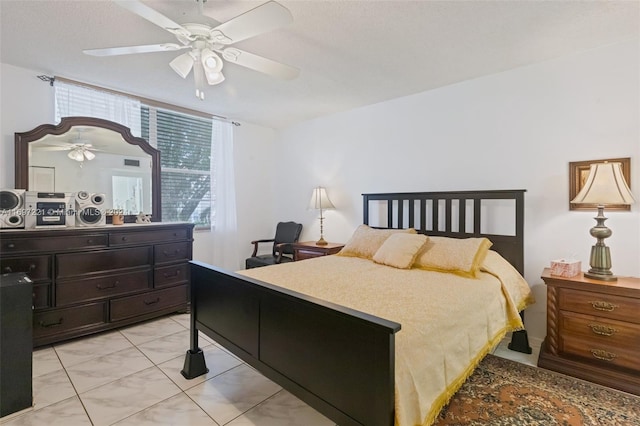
<point>101,287</point>
<point>152,302</point>
<point>172,274</point>
<point>176,252</point>
<point>32,267</point>
<point>124,238</point>
<point>7,270</point>
<point>53,324</point>
<point>89,241</point>
<point>603,355</point>
<point>602,330</point>
<point>11,246</point>
<point>603,306</point>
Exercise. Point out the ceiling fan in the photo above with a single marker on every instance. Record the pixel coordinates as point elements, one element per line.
<point>209,45</point>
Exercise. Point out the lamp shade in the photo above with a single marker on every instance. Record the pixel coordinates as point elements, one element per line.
<point>320,199</point>
<point>182,64</point>
<point>605,185</point>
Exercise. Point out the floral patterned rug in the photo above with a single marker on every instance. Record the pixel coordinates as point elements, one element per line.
<point>501,392</point>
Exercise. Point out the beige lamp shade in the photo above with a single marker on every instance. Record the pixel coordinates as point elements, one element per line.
<point>320,200</point>
<point>605,185</point>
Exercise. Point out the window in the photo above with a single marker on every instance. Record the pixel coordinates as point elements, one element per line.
<point>184,142</point>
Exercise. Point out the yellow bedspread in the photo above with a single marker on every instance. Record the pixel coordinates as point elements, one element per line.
<point>449,323</point>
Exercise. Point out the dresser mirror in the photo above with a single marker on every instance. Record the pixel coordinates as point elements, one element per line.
<point>93,155</point>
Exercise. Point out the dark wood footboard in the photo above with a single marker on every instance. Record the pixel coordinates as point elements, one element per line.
<point>337,360</point>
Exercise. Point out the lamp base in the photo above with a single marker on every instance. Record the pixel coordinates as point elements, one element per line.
<point>600,262</point>
<point>321,242</point>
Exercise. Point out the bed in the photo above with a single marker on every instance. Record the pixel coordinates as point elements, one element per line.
<point>348,362</point>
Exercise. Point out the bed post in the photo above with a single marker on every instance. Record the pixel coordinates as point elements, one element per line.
<point>194,363</point>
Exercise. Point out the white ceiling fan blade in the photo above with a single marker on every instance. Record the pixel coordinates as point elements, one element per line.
<point>128,50</point>
<point>263,18</point>
<point>260,63</point>
<point>153,16</point>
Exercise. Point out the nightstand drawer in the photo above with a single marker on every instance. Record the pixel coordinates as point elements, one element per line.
<point>599,330</point>
<point>600,304</point>
<point>601,353</point>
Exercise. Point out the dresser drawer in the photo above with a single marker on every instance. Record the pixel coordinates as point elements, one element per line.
<point>76,264</point>
<point>599,352</point>
<point>174,252</point>
<point>148,236</point>
<point>41,296</point>
<point>598,330</point>
<point>600,304</point>
<point>127,307</point>
<point>38,268</point>
<point>71,242</point>
<point>88,289</point>
<point>171,275</point>
<point>63,320</point>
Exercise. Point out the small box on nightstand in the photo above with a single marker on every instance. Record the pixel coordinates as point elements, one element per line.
<point>566,268</point>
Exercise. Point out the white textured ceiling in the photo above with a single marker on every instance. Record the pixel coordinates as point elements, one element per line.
<point>351,53</point>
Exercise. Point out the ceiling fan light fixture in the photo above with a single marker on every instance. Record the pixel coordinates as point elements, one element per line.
<point>182,64</point>
<point>88,154</point>
<point>210,61</point>
<point>75,154</point>
<point>214,78</point>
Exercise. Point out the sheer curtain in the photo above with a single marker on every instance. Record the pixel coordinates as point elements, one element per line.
<point>73,100</point>
<point>223,214</point>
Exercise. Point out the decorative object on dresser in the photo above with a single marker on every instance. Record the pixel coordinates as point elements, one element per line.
<point>309,249</point>
<point>605,185</point>
<point>87,280</point>
<point>320,201</point>
<point>593,330</point>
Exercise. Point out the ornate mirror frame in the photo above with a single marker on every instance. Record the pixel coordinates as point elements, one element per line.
<point>22,141</point>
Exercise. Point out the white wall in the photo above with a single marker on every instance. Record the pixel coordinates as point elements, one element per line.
<point>27,102</point>
<point>514,130</point>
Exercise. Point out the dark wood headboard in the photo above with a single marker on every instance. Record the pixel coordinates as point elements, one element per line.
<point>439,214</point>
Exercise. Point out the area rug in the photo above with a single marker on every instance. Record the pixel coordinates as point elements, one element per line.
<point>502,392</point>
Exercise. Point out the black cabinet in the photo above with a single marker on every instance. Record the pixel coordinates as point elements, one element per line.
<point>16,343</point>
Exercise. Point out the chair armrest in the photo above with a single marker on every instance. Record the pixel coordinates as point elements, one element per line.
<point>279,248</point>
<point>255,245</point>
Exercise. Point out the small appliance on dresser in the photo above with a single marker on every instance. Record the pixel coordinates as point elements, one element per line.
<point>49,209</point>
<point>593,330</point>
<point>12,208</point>
<point>90,209</point>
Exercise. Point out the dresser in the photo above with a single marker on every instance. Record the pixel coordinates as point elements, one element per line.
<point>87,280</point>
<point>593,330</point>
<point>309,249</point>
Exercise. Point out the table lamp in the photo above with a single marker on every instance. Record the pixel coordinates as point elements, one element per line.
<point>320,201</point>
<point>605,184</point>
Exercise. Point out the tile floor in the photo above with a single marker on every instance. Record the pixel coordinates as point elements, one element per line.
<point>131,376</point>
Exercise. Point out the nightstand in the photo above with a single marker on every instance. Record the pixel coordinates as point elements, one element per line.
<point>593,330</point>
<point>309,249</point>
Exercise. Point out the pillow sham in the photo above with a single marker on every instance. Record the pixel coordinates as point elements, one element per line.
<point>400,250</point>
<point>462,256</point>
<point>366,241</point>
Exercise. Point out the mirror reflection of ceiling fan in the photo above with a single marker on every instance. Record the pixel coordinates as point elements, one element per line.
<point>208,46</point>
<point>79,148</point>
